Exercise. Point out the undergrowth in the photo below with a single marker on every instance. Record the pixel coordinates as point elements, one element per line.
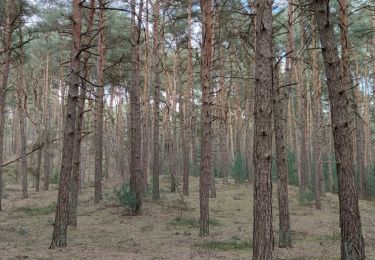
<point>232,244</point>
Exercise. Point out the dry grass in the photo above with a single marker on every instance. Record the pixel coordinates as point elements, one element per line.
<point>166,231</point>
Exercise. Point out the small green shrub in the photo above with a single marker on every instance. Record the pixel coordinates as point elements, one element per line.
<point>38,210</point>
<point>306,197</point>
<point>225,245</point>
<point>126,198</point>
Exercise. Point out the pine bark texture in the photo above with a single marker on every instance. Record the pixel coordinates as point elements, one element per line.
<point>318,149</point>
<point>7,43</point>
<point>99,115</point>
<point>136,175</point>
<point>262,227</point>
<point>76,179</point>
<point>280,116</point>
<point>21,103</point>
<point>59,234</point>
<point>352,243</point>
<point>206,135</point>
<point>156,70</point>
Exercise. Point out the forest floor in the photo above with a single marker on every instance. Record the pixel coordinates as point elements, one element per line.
<point>167,231</point>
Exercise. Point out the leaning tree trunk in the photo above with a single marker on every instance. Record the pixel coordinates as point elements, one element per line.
<point>206,65</point>
<point>352,244</point>
<point>61,218</point>
<point>262,227</point>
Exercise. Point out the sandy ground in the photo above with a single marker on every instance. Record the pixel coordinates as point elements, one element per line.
<point>105,232</point>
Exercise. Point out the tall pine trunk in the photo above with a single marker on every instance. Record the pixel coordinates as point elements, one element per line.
<point>280,116</point>
<point>8,30</point>
<point>262,227</point>
<point>206,134</point>
<point>21,103</point>
<point>136,175</point>
<point>352,244</point>
<point>76,180</point>
<point>59,234</point>
<point>156,72</point>
<point>99,115</point>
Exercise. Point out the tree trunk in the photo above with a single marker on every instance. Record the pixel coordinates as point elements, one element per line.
<point>46,130</point>
<point>8,30</point>
<point>136,175</point>
<point>280,117</point>
<point>352,244</point>
<point>21,103</point>
<point>61,219</point>
<point>76,181</point>
<point>304,160</point>
<point>262,227</point>
<point>206,137</point>
<point>317,120</point>
<point>99,115</point>
<point>156,70</point>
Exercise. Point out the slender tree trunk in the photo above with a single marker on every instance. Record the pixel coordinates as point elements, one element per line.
<point>99,115</point>
<point>21,103</point>
<point>352,244</point>
<point>173,125</point>
<point>156,70</point>
<point>8,30</point>
<point>16,143</point>
<point>330,152</point>
<point>317,120</point>
<point>46,126</point>
<point>190,89</point>
<point>280,120</point>
<point>136,175</point>
<point>262,227</point>
<point>185,127</point>
<point>38,169</point>
<point>280,117</point>
<point>76,181</point>
<point>59,234</point>
<point>304,160</point>
<point>360,146</point>
<point>206,66</point>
